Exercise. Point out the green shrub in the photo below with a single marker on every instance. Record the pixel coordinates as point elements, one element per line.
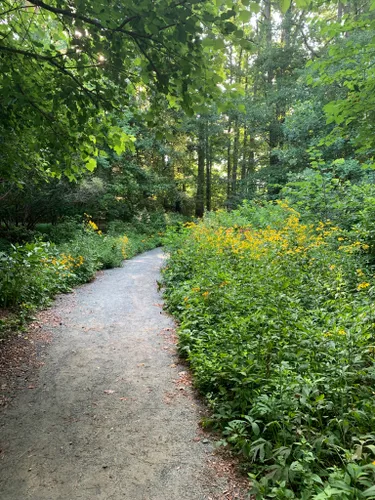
<point>278,323</point>
<point>64,231</point>
<point>31,274</point>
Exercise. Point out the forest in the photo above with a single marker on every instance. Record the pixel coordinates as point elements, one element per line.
<point>238,134</point>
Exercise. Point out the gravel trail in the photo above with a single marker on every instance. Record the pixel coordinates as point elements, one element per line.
<point>110,415</point>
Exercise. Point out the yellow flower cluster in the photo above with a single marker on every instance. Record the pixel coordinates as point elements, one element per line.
<point>363,286</point>
<point>70,262</point>
<point>294,238</point>
<point>92,224</point>
<point>290,239</point>
<point>124,242</point>
<point>353,247</point>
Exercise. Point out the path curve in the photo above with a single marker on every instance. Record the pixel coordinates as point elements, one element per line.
<point>106,419</point>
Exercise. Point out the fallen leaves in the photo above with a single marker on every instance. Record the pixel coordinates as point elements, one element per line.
<point>184,379</point>
<point>21,354</point>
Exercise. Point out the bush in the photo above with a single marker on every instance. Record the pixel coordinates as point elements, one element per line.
<point>31,274</point>
<point>277,321</point>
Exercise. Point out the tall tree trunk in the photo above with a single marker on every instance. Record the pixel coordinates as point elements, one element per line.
<point>208,169</point>
<point>272,130</point>
<point>251,167</point>
<point>340,10</point>
<point>244,155</point>
<point>199,199</point>
<point>244,143</point>
<point>229,159</point>
<point>235,157</point>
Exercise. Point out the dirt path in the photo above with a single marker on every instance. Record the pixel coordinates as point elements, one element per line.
<point>110,415</point>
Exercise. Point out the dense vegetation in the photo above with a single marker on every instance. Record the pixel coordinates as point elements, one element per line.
<point>66,255</point>
<point>257,115</point>
<point>277,320</point>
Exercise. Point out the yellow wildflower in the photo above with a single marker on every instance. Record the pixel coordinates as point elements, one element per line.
<point>363,286</point>
<point>93,225</point>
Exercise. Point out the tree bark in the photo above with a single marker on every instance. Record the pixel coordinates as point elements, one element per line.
<point>235,157</point>
<point>244,155</point>
<point>199,199</point>
<point>229,159</point>
<point>208,168</point>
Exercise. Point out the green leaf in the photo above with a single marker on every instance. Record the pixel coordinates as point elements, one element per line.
<point>370,492</point>
<point>244,16</point>
<point>218,44</point>
<point>255,7</point>
<point>91,164</point>
<point>216,78</point>
<point>284,4</point>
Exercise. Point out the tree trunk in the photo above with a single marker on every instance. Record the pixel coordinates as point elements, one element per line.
<point>199,199</point>
<point>340,11</point>
<point>235,157</point>
<point>229,159</point>
<point>208,170</point>
<point>251,167</point>
<point>244,156</point>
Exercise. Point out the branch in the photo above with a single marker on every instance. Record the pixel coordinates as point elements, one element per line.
<point>52,62</point>
<point>127,20</point>
<point>85,19</point>
<point>148,58</point>
<point>6,194</point>
<point>15,8</point>
<point>308,46</point>
<point>67,13</point>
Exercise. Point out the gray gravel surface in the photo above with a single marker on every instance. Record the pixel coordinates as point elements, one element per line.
<point>106,418</point>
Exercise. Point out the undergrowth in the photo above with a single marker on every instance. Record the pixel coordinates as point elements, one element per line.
<point>31,274</point>
<point>277,321</point>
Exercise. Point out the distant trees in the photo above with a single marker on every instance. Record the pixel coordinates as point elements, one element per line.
<point>187,105</point>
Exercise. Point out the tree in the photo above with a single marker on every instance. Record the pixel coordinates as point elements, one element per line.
<point>66,71</point>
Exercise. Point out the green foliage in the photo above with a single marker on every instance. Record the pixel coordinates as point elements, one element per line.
<point>65,73</point>
<point>33,273</point>
<point>339,191</point>
<point>277,321</point>
<point>347,67</point>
